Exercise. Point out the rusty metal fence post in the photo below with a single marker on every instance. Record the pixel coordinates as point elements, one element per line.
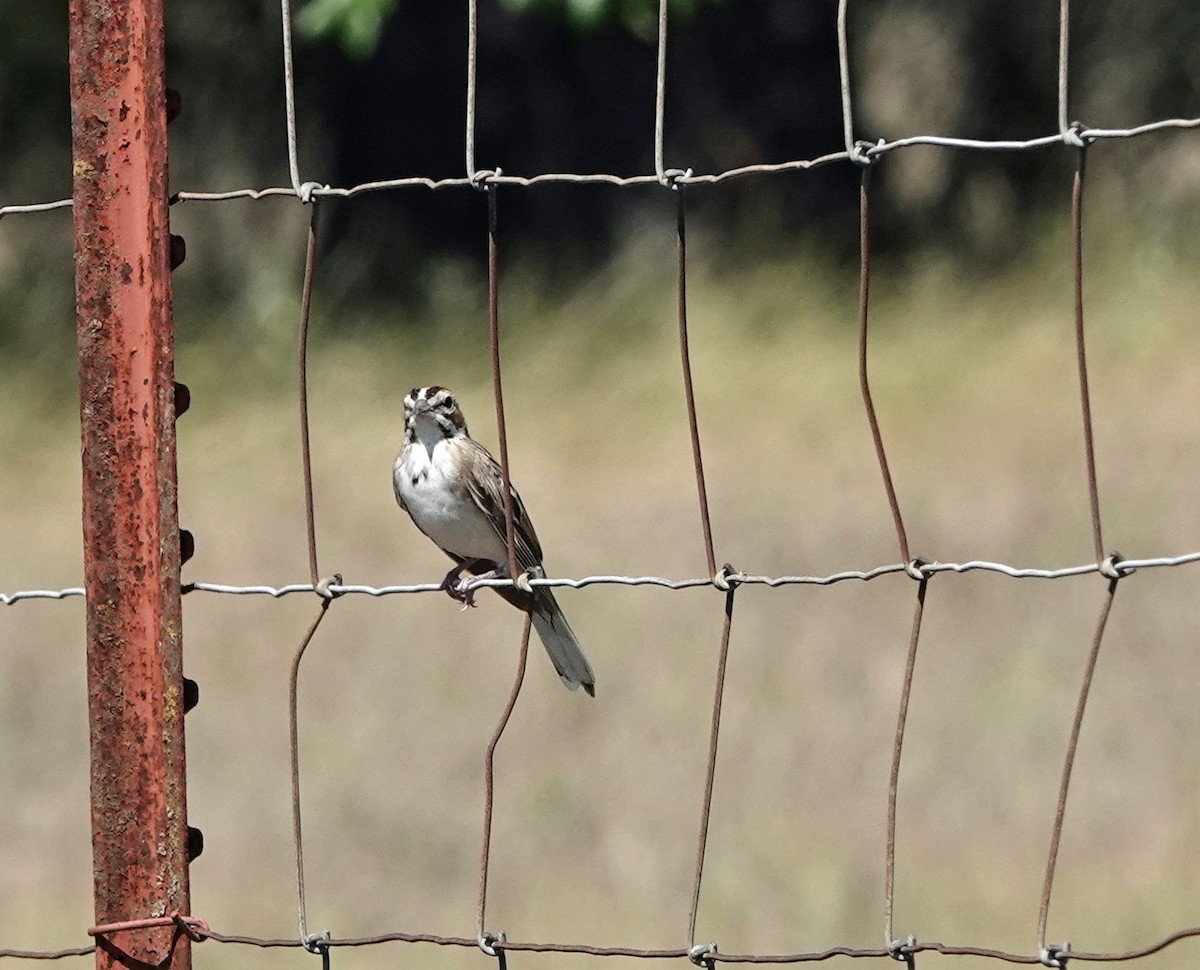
<point>130,519</point>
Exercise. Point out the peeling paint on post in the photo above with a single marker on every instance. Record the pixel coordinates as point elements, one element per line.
<point>130,521</point>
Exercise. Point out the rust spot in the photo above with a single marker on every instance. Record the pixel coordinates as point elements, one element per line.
<point>126,273</point>
<point>124,113</point>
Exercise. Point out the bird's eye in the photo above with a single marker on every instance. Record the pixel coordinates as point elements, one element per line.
<point>448,402</point>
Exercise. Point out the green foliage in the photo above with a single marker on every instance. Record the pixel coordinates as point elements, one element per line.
<point>636,16</point>
<point>354,24</point>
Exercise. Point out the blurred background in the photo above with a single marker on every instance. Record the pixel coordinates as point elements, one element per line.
<point>597,802</point>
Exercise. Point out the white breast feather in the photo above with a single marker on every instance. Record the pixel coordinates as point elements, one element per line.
<point>448,516</point>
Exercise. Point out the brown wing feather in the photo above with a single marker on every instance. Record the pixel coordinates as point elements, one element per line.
<point>486,487</point>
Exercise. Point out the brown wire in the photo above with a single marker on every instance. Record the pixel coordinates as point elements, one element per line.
<point>294,740</point>
<point>1097,536</point>
<point>494,340</point>
<point>689,393</point>
<point>864,289</point>
<point>310,261</point>
<point>864,293</point>
<point>897,750</point>
<point>489,775</point>
<point>714,734</point>
<point>1089,447</point>
<point>1069,763</point>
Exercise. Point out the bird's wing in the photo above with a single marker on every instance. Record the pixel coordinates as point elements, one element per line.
<point>486,487</point>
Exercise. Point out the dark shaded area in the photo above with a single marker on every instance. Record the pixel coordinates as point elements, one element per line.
<point>551,101</point>
<point>748,81</point>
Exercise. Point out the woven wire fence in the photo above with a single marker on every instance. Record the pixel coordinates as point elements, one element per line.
<point>1071,136</point>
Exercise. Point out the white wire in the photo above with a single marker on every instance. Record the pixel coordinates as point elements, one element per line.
<point>1124,567</point>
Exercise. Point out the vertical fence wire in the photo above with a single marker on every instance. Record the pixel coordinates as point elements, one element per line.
<point>310,262</point>
<point>319,586</point>
<point>714,734</point>
<point>660,95</point>
<point>497,388</point>
<point>844,76</point>
<point>910,664</point>
<point>1073,137</point>
<point>489,785</point>
<point>289,96</point>
<point>1057,956</point>
<point>472,60</point>
<point>865,162</point>
<point>1068,765</point>
<point>864,290</point>
<point>686,363</point>
<point>294,740</point>
<point>913,567</point>
<point>1064,49</point>
<point>1085,399</point>
<point>510,538</point>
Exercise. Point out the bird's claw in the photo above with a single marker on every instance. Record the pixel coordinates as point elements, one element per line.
<point>453,585</point>
<point>464,592</point>
<point>462,588</point>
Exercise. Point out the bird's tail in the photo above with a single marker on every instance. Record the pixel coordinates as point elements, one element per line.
<point>559,640</point>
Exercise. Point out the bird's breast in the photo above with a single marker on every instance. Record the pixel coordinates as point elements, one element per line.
<point>431,487</point>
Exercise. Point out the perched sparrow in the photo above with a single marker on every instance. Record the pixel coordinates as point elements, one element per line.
<point>454,492</point>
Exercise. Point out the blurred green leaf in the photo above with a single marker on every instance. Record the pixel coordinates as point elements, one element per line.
<point>636,16</point>
<point>354,24</point>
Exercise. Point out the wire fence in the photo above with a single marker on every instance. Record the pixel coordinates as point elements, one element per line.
<point>1073,137</point>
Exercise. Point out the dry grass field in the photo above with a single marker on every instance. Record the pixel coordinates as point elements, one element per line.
<point>598,801</point>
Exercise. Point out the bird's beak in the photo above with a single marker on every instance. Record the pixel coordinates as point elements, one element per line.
<point>420,406</point>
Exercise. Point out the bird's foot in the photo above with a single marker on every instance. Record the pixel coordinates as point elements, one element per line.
<point>453,585</point>
<point>464,589</point>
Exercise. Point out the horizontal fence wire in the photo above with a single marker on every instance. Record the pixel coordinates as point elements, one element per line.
<point>873,151</point>
<point>727,579</point>
<point>910,947</point>
<point>1121,566</point>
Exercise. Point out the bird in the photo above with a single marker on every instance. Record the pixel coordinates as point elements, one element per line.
<point>453,490</point>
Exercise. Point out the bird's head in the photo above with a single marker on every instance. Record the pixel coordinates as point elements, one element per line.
<point>433,412</point>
